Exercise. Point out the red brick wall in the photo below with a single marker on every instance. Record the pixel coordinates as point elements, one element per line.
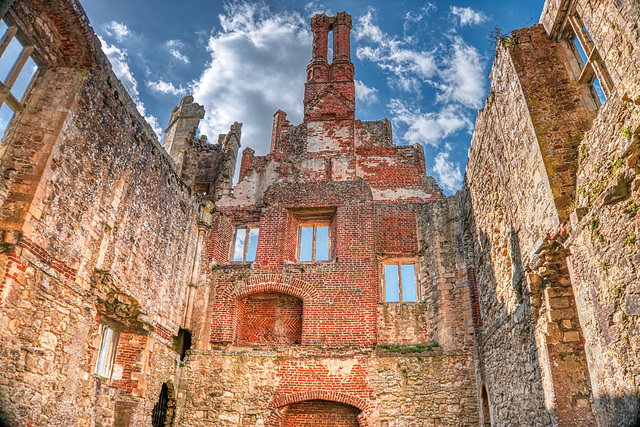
<point>344,310</point>
<point>338,379</point>
<point>129,355</point>
<point>319,413</point>
<point>222,234</point>
<point>397,229</point>
<point>269,318</point>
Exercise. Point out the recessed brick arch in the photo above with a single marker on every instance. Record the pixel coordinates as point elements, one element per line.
<point>268,319</point>
<point>320,413</point>
<point>275,283</point>
<point>224,322</point>
<point>278,403</point>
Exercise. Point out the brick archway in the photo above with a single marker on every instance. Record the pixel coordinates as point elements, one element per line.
<point>319,413</point>
<point>224,321</point>
<point>275,283</point>
<point>277,404</point>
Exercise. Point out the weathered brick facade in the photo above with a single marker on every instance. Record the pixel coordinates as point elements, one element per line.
<point>127,268</point>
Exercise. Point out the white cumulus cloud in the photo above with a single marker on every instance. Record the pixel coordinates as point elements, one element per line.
<point>117,30</point>
<point>428,128</point>
<point>175,49</point>
<point>468,16</point>
<point>120,66</point>
<point>365,94</point>
<point>410,67</point>
<point>447,172</point>
<point>463,76</point>
<point>257,66</point>
<point>166,88</point>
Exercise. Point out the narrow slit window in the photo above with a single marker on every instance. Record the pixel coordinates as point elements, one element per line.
<point>106,355</point>
<point>400,282</point>
<point>245,244</point>
<point>314,243</point>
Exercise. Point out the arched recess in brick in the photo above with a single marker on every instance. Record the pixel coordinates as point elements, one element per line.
<point>268,319</point>
<point>282,403</point>
<point>224,321</point>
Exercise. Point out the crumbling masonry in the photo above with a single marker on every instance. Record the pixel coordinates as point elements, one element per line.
<point>334,285</point>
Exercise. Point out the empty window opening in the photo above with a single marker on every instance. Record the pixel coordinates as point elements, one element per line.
<point>314,241</point>
<point>106,354</point>
<point>17,69</point>
<point>400,282</point>
<point>245,244</point>
<point>269,319</point>
<point>182,342</point>
<point>163,409</point>
<point>587,74</point>
<point>316,238</point>
<point>593,70</point>
<point>320,413</point>
<point>330,47</point>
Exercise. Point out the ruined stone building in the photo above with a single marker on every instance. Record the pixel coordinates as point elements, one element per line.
<point>334,285</point>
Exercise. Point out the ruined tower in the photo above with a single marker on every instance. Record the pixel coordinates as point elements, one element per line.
<point>329,93</point>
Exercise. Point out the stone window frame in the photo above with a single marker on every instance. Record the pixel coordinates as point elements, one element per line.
<point>316,217</point>
<point>109,337</point>
<point>595,68</point>
<point>400,262</point>
<point>12,32</point>
<point>245,250</point>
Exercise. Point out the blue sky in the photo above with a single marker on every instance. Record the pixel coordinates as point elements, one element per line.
<point>424,65</point>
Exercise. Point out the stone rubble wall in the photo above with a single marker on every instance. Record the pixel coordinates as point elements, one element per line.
<point>604,225</point>
<point>96,225</point>
<point>238,387</point>
<point>507,203</point>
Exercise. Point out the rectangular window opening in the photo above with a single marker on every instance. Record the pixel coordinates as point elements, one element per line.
<point>314,243</point>
<point>17,70</point>
<point>245,244</point>
<point>107,352</point>
<point>598,88</point>
<point>593,70</point>
<point>316,237</point>
<point>400,282</point>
